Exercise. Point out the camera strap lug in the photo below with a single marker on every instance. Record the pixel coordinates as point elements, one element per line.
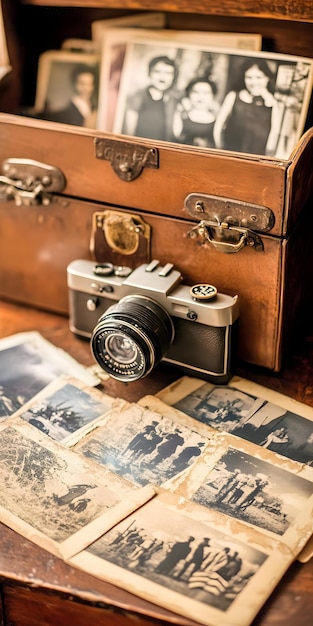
<point>29,182</point>
<point>229,225</point>
<point>116,234</point>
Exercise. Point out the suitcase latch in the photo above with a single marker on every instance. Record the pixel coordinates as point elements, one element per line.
<point>117,234</point>
<point>229,225</point>
<point>127,159</point>
<point>29,182</point>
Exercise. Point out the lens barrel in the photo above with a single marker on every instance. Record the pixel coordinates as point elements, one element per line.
<point>132,337</point>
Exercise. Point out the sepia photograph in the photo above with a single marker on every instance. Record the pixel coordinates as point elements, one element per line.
<point>256,490</point>
<point>28,363</point>
<point>67,408</point>
<point>67,87</point>
<point>187,560</point>
<point>142,446</point>
<point>242,101</point>
<point>113,54</point>
<point>229,409</point>
<point>56,498</point>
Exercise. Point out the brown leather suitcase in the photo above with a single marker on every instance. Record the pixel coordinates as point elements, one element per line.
<point>238,221</point>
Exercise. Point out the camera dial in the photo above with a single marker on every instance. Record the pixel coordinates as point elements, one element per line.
<point>132,337</point>
<point>203,291</point>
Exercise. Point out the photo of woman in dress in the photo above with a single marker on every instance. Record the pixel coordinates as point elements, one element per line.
<point>253,103</point>
<point>195,115</point>
<point>245,120</point>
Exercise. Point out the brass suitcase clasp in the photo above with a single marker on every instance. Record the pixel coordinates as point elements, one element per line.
<point>29,182</point>
<point>228,225</point>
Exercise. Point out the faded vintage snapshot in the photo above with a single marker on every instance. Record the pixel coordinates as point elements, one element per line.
<point>189,560</point>
<point>100,28</point>
<point>142,446</point>
<point>67,408</point>
<point>67,87</point>
<point>28,363</point>
<point>242,101</point>
<point>55,497</point>
<point>252,485</point>
<point>248,411</point>
<point>113,53</point>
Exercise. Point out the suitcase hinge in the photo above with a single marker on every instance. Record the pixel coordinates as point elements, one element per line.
<point>29,182</point>
<point>229,225</point>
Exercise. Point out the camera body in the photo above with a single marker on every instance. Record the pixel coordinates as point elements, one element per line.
<point>136,318</point>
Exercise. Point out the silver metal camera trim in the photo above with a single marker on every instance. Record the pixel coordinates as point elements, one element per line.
<point>165,288</point>
<point>175,297</point>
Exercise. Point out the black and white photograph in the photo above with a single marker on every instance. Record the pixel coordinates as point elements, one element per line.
<point>188,561</point>
<point>67,88</point>
<point>66,407</point>
<point>242,101</point>
<point>114,46</point>
<point>142,446</point>
<point>28,363</point>
<point>255,491</point>
<point>55,497</point>
<point>229,409</point>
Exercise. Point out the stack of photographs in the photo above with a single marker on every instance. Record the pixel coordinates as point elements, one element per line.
<point>208,90</point>
<point>197,499</point>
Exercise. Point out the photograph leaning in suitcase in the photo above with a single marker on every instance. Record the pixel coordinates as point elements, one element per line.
<point>220,188</point>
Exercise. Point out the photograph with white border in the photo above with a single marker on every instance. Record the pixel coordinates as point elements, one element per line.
<point>67,87</point>
<point>240,101</point>
<point>189,560</point>
<point>55,497</point>
<point>249,411</point>
<point>66,408</point>
<point>28,363</point>
<point>114,48</point>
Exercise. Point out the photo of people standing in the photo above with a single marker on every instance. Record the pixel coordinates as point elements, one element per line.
<point>255,103</point>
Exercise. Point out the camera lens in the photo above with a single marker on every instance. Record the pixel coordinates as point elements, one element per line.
<point>132,337</point>
<point>121,348</point>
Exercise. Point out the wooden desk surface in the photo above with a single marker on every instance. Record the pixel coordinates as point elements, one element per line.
<point>40,590</point>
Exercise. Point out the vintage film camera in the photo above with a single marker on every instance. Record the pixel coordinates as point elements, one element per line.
<point>137,318</point>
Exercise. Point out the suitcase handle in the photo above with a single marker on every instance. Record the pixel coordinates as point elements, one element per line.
<point>226,238</point>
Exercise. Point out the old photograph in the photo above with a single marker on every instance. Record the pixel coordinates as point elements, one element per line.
<point>251,417</point>
<point>55,497</point>
<point>101,28</point>
<point>242,101</point>
<point>257,490</point>
<point>114,46</point>
<point>67,87</point>
<point>28,363</point>
<point>67,408</point>
<point>142,446</point>
<point>188,561</point>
